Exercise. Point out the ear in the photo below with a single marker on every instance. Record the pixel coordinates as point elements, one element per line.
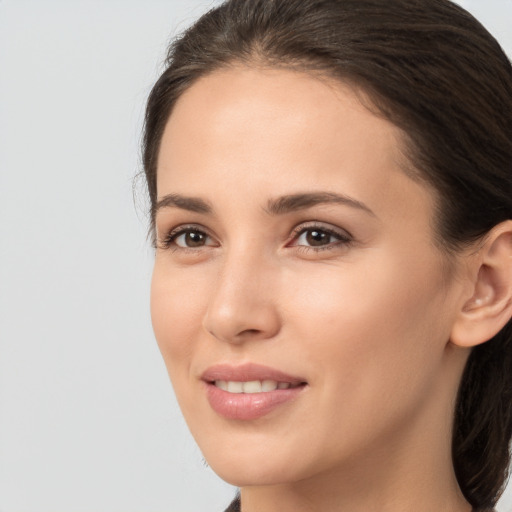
<point>489,307</point>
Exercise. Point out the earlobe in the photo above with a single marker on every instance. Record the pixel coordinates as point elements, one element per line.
<point>489,307</point>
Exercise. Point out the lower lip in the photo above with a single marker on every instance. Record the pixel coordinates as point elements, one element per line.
<point>248,406</point>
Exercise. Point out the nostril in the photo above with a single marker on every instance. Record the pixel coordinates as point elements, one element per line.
<point>249,332</point>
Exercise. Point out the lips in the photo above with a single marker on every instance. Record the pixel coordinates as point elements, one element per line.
<point>248,372</point>
<point>249,391</point>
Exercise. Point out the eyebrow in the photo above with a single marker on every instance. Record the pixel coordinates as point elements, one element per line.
<point>192,204</point>
<point>279,206</point>
<point>302,201</point>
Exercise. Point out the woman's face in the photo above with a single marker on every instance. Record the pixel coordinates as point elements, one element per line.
<point>298,299</point>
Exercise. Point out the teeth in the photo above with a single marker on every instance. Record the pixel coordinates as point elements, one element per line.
<point>235,387</point>
<point>222,384</point>
<point>268,385</point>
<point>252,386</point>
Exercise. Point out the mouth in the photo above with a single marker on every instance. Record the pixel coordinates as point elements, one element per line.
<point>249,391</point>
<point>254,386</point>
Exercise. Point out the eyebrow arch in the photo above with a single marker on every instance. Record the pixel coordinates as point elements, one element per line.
<point>192,204</point>
<point>301,201</point>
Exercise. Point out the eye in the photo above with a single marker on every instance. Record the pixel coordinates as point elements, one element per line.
<point>316,238</point>
<point>191,238</point>
<point>187,237</point>
<point>319,237</point>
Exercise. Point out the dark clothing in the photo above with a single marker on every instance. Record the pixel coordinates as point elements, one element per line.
<point>235,505</point>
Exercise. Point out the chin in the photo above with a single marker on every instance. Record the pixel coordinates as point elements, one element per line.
<point>248,467</point>
<point>251,474</point>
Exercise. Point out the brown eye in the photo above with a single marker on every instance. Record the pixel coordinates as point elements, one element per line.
<point>318,238</point>
<point>191,239</point>
<point>315,237</point>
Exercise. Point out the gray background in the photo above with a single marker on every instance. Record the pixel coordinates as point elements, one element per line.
<point>88,421</point>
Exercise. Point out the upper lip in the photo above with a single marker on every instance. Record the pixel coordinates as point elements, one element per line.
<point>247,372</point>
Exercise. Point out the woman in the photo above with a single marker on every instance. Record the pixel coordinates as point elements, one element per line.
<point>331,204</point>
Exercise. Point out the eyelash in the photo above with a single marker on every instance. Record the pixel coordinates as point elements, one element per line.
<point>343,238</point>
<point>169,242</point>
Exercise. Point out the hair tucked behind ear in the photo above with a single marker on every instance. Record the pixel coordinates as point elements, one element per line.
<point>431,69</point>
<point>483,420</point>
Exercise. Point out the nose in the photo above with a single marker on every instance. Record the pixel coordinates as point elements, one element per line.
<point>243,303</point>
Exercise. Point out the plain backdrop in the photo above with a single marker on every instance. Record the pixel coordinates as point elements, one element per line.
<point>88,420</point>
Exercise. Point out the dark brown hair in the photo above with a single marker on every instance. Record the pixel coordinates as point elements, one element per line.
<point>435,72</point>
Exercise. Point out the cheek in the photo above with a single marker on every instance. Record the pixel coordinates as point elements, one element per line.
<point>177,305</point>
<point>373,328</point>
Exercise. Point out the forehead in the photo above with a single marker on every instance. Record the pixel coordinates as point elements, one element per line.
<point>268,131</point>
<point>219,105</point>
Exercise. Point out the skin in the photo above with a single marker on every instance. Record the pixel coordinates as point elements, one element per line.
<point>366,322</point>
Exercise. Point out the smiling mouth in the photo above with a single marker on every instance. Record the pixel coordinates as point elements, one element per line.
<point>254,386</point>
<point>251,399</point>
<point>250,391</point>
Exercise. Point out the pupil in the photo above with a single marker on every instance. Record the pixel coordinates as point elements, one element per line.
<point>194,239</point>
<point>315,237</point>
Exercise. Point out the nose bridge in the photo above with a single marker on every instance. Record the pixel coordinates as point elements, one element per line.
<point>242,304</point>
